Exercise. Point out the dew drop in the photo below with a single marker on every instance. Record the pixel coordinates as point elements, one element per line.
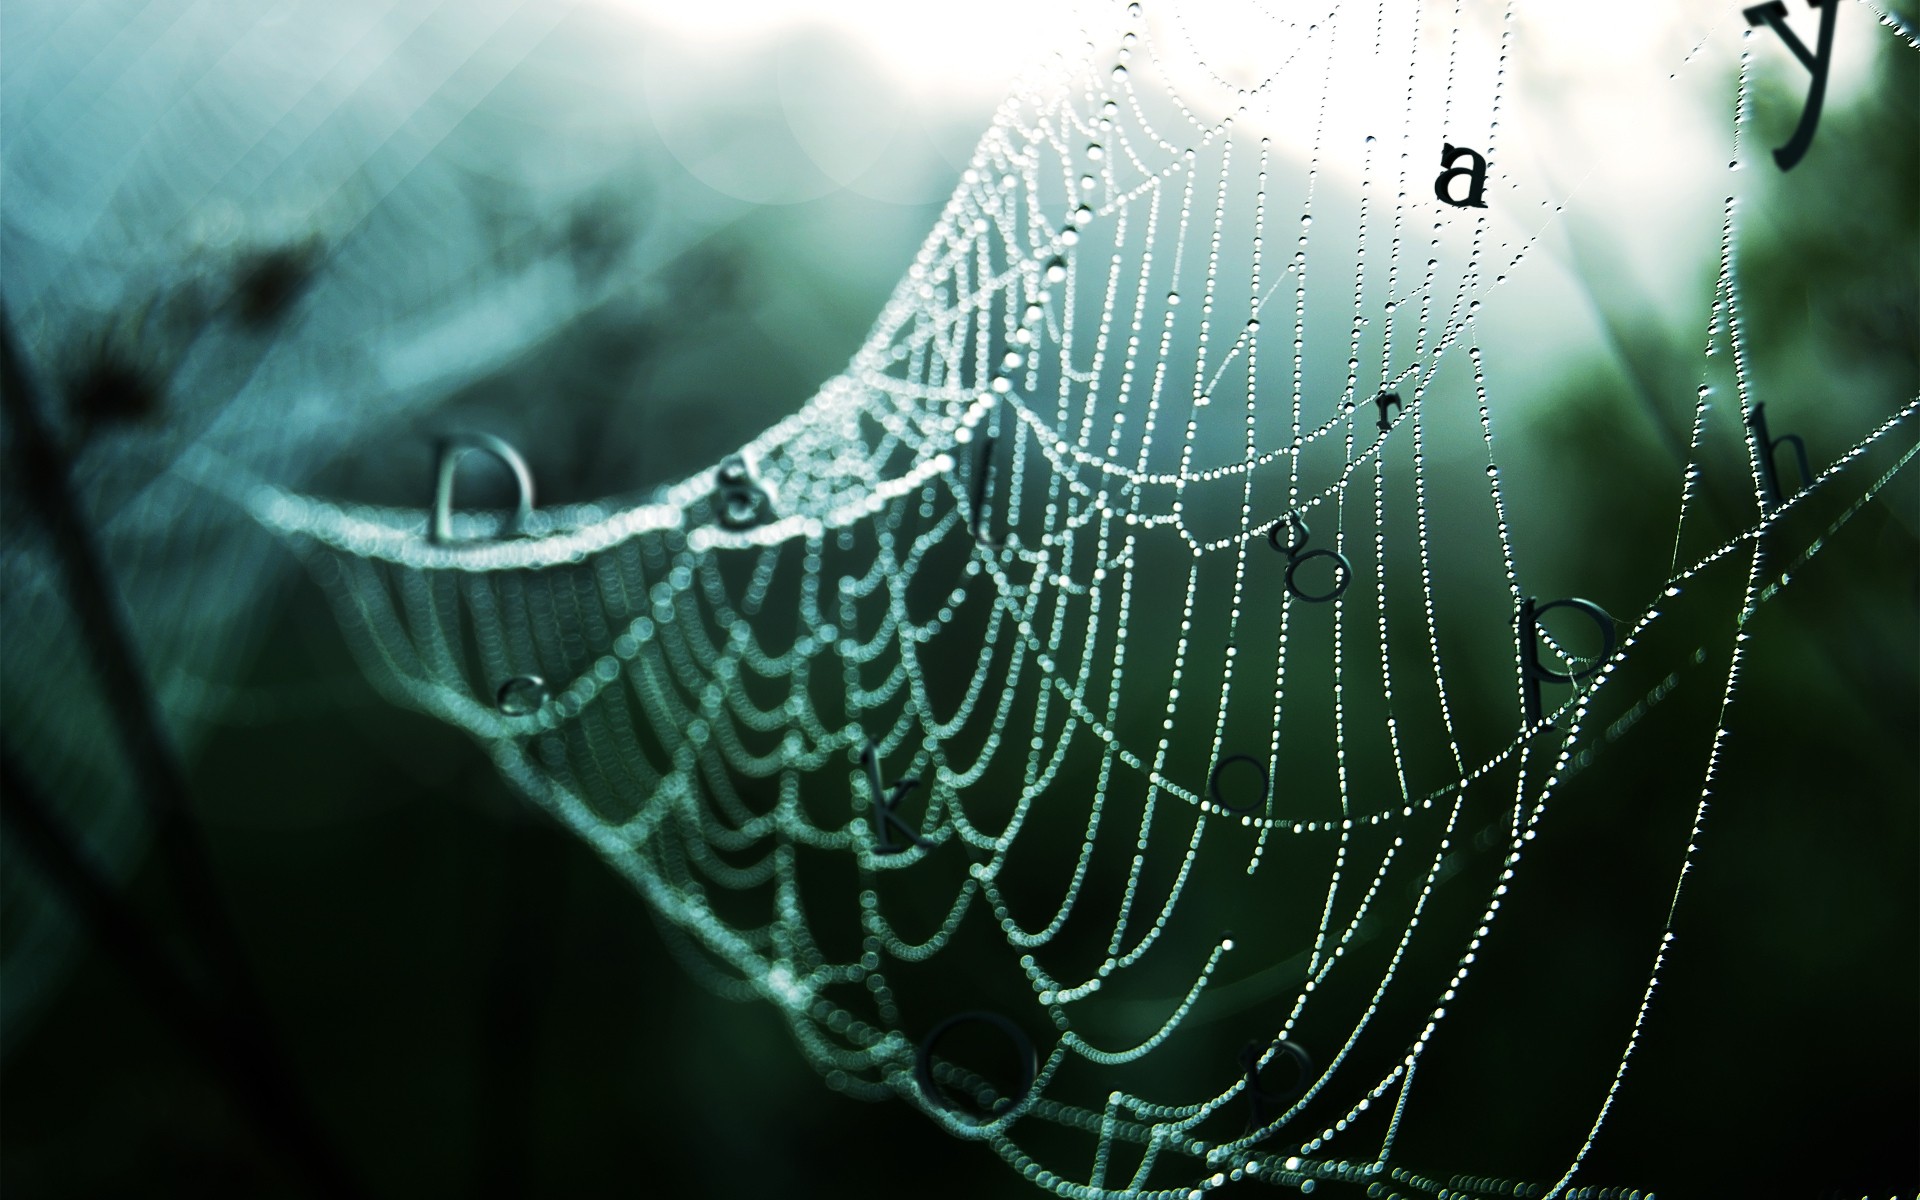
<point>1056,270</point>
<point>1096,151</point>
<point>1173,299</point>
<point>1082,215</point>
<point>1069,236</point>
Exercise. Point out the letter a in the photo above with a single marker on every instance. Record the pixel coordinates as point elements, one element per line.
<point>1475,171</point>
<point>1775,14</point>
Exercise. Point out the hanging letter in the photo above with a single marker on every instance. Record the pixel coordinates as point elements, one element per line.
<point>886,798</point>
<point>523,695</point>
<point>739,501</point>
<point>1023,1048</point>
<point>1533,673</point>
<point>1769,479</point>
<point>1775,14</point>
<point>1264,1102</point>
<point>449,452</point>
<point>1387,400</point>
<point>1475,171</point>
<point>1266,783</point>
<point>977,494</point>
<point>1298,553</point>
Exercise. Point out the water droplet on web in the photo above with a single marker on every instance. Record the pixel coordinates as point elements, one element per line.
<point>1173,298</point>
<point>1069,236</point>
<point>1056,269</point>
<point>1082,215</point>
<point>522,696</point>
<point>1096,151</point>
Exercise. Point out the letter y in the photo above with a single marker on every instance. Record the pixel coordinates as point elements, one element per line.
<point>1775,14</point>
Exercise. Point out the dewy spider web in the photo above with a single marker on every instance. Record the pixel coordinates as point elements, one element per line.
<point>1089,637</point>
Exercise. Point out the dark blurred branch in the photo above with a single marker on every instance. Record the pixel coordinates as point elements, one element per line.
<point>42,470</point>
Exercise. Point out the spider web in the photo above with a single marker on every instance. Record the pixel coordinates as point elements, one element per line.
<point>1093,652</point>
<point>157,158</point>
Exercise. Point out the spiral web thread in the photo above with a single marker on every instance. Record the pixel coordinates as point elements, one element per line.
<point>1023,552</point>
